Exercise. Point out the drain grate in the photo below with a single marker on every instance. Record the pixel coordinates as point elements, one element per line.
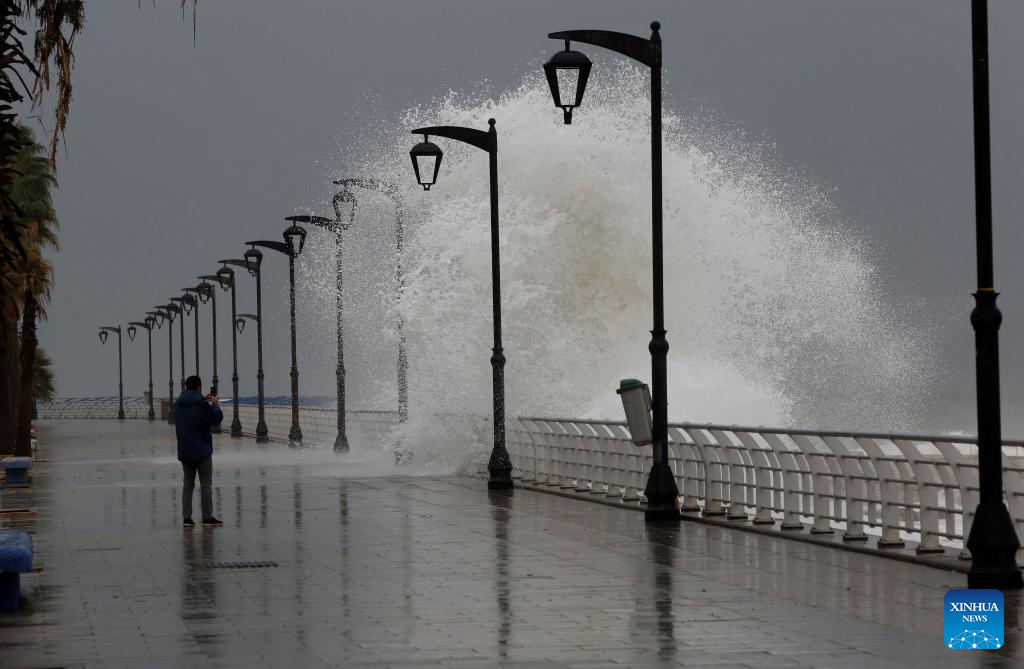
<point>242,565</point>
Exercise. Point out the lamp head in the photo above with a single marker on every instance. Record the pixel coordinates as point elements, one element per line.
<point>254,257</point>
<point>567,73</point>
<point>131,332</point>
<point>225,277</point>
<point>103,337</point>
<point>239,324</point>
<point>205,291</point>
<point>345,208</point>
<point>426,162</point>
<point>293,234</point>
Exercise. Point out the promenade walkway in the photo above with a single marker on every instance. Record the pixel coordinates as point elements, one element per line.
<point>327,561</point>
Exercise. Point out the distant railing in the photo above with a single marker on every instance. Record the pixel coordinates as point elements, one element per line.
<point>319,426</point>
<point>91,407</point>
<point>894,488</point>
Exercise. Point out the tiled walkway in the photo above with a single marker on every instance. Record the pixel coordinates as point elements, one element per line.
<point>369,568</point>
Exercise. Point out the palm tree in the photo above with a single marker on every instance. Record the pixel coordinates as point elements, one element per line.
<point>43,387</point>
<point>31,192</point>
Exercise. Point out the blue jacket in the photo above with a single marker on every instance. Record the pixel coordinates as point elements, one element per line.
<point>193,416</point>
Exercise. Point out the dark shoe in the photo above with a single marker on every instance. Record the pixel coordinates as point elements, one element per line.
<point>189,522</point>
<point>211,521</point>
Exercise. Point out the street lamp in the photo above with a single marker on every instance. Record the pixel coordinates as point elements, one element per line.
<point>993,542</point>
<point>192,294</point>
<point>120,378</point>
<point>148,326</point>
<point>183,308</point>
<point>567,74</point>
<point>253,261</point>
<point>226,278</point>
<point>426,162</point>
<point>336,225</point>
<point>237,329</point>
<point>206,294</point>
<point>294,240</point>
<point>166,313</point>
<point>391,191</point>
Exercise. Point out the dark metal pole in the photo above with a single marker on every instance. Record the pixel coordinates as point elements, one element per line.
<point>213,317</point>
<point>150,415</point>
<point>403,364</point>
<point>195,321</point>
<point>120,379</point>
<point>261,424</point>
<point>210,291</point>
<point>214,388</point>
<point>500,464</point>
<point>295,433</point>
<point>341,441</point>
<point>181,346</point>
<point>661,489</point>
<point>236,423</point>
<point>993,542</point>
<point>170,367</point>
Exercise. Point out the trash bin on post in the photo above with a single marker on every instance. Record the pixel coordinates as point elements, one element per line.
<point>165,409</point>
<point>636,400</point>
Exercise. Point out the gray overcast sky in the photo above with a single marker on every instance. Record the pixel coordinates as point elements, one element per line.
<point>177,154</point>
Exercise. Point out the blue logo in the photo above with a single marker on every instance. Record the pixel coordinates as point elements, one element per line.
<point>974,619</point>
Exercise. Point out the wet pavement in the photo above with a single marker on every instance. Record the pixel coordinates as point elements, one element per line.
<point>342,562</point>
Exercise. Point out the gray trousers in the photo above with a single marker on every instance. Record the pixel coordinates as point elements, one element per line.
<point>205,470</point>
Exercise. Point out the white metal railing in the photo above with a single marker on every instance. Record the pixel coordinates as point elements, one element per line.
<point>889,486</point>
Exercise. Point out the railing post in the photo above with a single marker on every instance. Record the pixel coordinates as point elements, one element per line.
<point>928,484</point>
<point>854,484</point>
<point>763,493</point>
<point>889,483</point>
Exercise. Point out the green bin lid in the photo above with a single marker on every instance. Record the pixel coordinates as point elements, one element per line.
<point>629,384</point>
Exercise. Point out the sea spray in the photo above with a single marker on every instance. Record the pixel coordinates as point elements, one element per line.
<point>774,310</point>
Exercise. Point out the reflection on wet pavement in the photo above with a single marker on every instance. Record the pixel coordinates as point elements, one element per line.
<point>313,568</point>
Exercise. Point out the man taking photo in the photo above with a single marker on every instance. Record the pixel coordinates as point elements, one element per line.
<point>194,415</point>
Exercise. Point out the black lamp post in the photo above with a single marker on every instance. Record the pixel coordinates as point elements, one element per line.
<point>192,294</point>
<point>148,326</point>
<point>336,225</point>
<point>426,162</point>
<point>294,240</point>
<point>183,308</point>
<point>205,292</point>
<point>167,313</point>
<point>226,278</point>
<point>120,378</point>
<point>993,541</point>
<point>237,328</point>
<point>567,74</point>
<point>391,191</point>
<point>253,259</point>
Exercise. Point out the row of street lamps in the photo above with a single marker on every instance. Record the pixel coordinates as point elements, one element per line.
<point>992,542</point>
<point>252,260</point>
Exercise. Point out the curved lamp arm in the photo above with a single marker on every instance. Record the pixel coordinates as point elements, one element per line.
<point>280,247</point>
<point>385,187</point>
<point>238,262</point>
<point>141,325</point>
<point>319,221</point>
<point>484,140</point>
<point>647,51</point>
